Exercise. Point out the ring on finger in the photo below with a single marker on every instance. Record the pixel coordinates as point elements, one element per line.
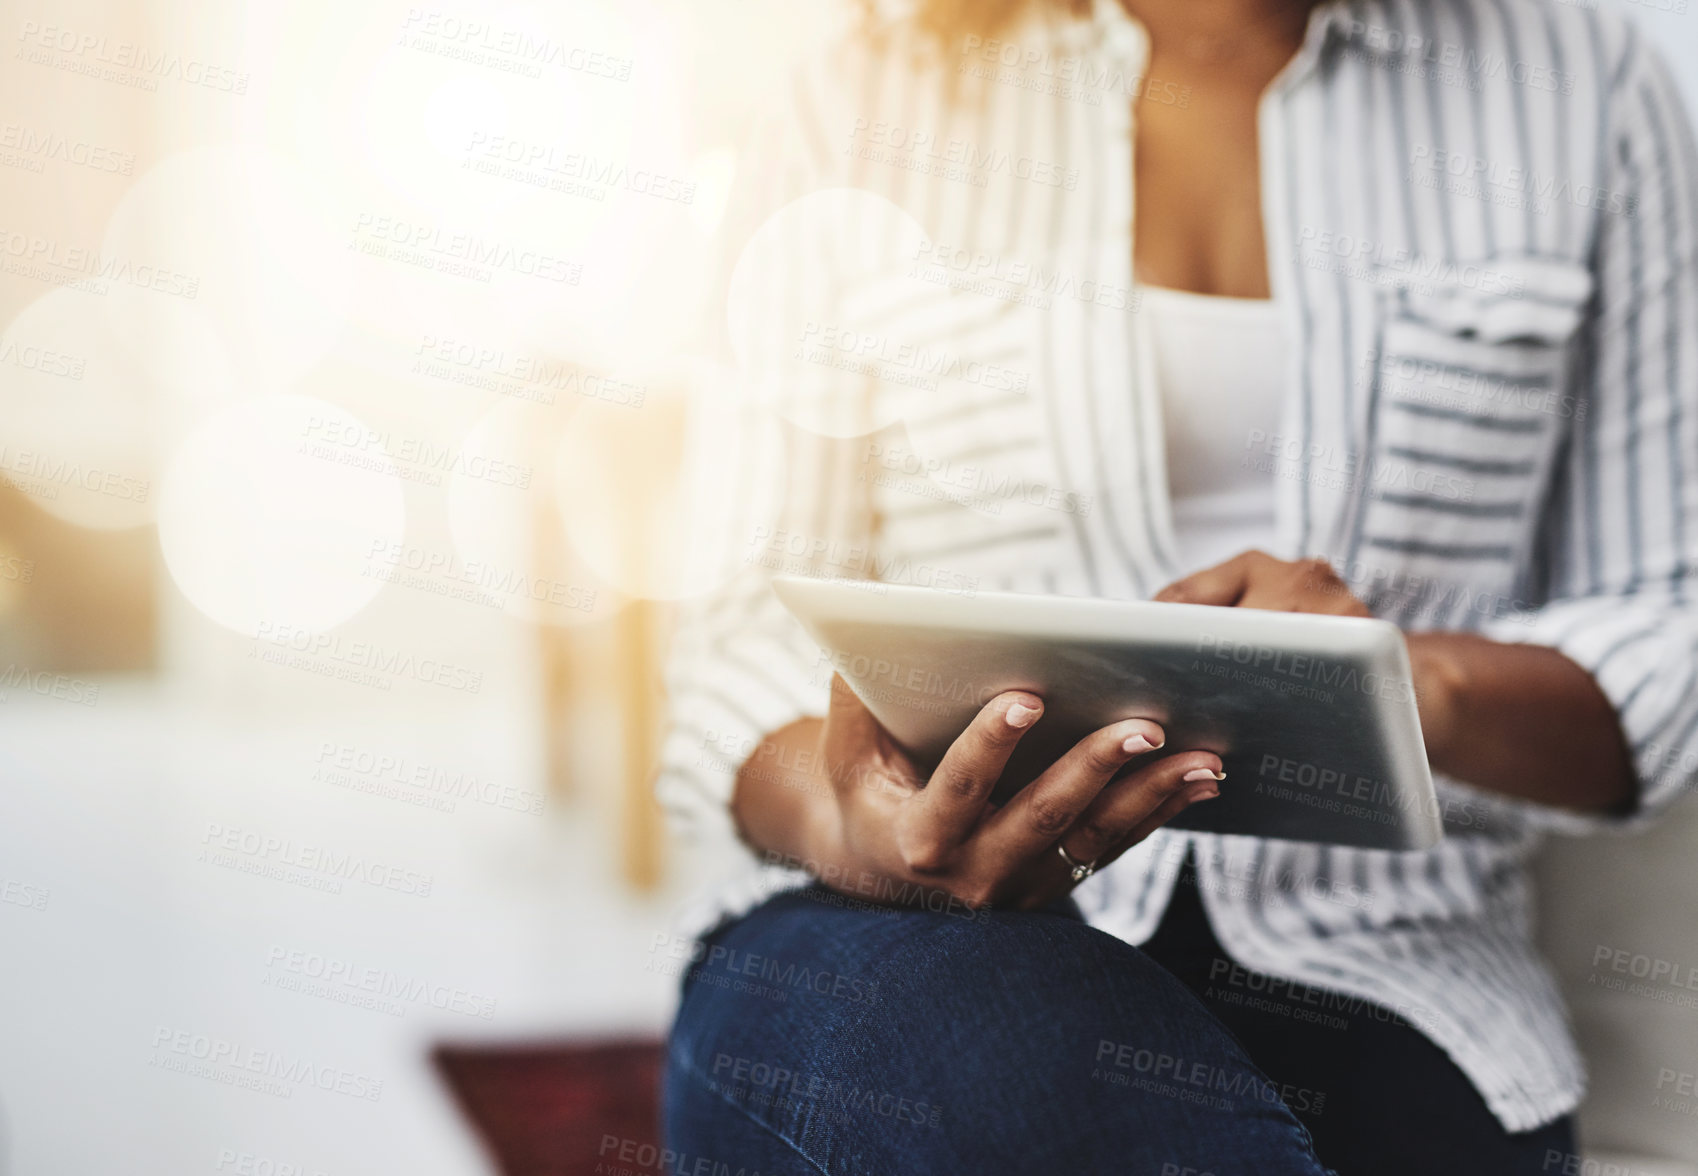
<point>1080,870</point>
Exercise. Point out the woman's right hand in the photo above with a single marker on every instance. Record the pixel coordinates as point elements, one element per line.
<point>875,828</point>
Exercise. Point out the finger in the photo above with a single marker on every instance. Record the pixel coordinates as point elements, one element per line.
<point>1222,584</point>
<point>1145,799</point>
<point>943,813</point>
<point>1048,806</point>
<point>1195,792</point>
<point>1306,586</point>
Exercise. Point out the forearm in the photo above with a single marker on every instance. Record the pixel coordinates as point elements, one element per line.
<point>782,800</point>
<point>1522,720</point>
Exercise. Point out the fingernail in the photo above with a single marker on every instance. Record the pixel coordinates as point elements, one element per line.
<point>1202,774</point>
<point>1020,715</point>
<point>1137,743</point>
<point>1205,792</point>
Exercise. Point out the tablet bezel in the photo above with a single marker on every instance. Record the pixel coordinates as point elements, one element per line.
<point>860,625</point>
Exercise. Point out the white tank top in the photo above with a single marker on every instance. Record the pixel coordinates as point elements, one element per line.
<point>1219,366</point>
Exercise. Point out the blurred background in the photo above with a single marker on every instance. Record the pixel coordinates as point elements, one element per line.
<point>357,434</point>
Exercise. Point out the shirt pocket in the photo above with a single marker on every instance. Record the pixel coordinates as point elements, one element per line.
<point>1473,405</point>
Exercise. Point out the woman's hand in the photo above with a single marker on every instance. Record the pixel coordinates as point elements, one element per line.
<point>1518,719</point>
<point>1256,579</point>
<point>880,830</point>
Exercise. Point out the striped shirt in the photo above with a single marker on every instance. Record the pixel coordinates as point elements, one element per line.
<point>1481,237</point>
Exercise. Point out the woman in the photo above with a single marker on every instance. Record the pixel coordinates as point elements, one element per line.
<point>1410,305</point>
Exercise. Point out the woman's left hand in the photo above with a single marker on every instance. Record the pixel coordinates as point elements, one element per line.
<point>1514,718</point>
<point>1256,579</point>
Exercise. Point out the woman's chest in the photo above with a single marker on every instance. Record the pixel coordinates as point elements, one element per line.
<point>1432,361</point>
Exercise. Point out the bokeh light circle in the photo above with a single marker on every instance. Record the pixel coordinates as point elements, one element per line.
<point>505,534</point>
<point>274,513</point>
<point>238,236</point>
<point>670,502</point>
<point>79,419</point>
<point>812,312</point>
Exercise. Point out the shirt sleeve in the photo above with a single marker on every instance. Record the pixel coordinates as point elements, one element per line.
<point>740,666</point>
<point>1625,509</point>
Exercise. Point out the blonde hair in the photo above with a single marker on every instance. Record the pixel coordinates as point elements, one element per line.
<point>948,19</point>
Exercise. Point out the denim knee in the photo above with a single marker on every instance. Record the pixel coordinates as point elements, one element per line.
<point>867,1038</point>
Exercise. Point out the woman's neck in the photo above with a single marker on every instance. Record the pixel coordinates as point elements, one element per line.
<point>1218,30</point>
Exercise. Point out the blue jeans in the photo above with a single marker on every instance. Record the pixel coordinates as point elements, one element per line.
<point>820,1035</point>
<point>817,1035</point>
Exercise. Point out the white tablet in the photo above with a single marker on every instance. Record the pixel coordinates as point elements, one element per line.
<point>1313,716</point>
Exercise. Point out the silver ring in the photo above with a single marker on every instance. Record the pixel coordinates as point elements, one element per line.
<point>1081,870</point>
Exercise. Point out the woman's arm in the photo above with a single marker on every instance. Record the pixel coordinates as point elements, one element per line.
<point>1523,720</point>
<point>1520,719</point>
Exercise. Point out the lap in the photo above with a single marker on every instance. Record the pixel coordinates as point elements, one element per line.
<point>818,1035</point>
<point>1376,1094</point>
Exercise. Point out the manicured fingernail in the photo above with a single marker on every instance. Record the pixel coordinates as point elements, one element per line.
<point>1137,743</point>
<point>1020,715</point>
<point>1202,774</point>
<point>1202,792</point>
